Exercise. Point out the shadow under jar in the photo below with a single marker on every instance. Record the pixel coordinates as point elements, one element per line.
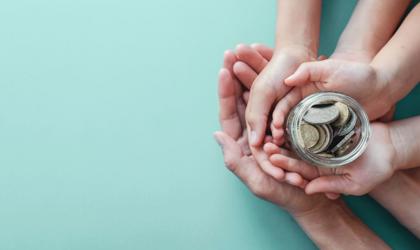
<point>328,129</point>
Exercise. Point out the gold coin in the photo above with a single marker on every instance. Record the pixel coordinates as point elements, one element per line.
<point>344,114</point>
<point>321,115</point>
<point>309,134</point>
<point>324,138</point>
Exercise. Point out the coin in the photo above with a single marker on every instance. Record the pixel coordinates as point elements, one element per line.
<point>326,155</point>
<point>349,126</point>
<point>343,141</point>
<point>321,115</point>
<point>310,135</point>
<point>325,138</point>
<point>343,149</point>
<point>344,116</point>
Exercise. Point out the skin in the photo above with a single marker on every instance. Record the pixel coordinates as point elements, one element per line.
<point>390,80</point>
<point>297,38</point>
<point>390,148</point>
<point>399,195</point>
<point>340,228</point>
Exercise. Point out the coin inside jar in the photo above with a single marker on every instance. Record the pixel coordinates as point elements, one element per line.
<point>321,115</point>
<point>328,128</point>
<point>310,135</point>
<point>335,133</point>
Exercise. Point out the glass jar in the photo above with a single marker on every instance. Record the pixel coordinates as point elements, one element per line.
<point>359,135</point>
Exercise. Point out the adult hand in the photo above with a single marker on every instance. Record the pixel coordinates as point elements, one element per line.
<point>237,156</point>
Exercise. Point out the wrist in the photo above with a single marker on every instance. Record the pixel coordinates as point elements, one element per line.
<point>398,145</point>
<point>334,226</point>
<point>300,53</point>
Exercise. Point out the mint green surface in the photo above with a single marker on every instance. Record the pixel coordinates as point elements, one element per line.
<point>107,110</point>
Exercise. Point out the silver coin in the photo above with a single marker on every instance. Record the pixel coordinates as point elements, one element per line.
<point>349,126</point>
<point>346,139</point>
<point>344,114</point>
<point>321,115</point>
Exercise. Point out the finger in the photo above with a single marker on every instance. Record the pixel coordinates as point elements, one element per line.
<point>259,105</point>
<point>308,72</point>
<point>332,196</point>
<point>293,165</point>
<point>245,74</point>
<point>388,116</point>
<point>271,148</point>
<point>265,164</point>
<point>282,109</point>
<point>267,87</point>
<point>268,139</point>
<point>265,51</point>
<point>278,135</point>
<point>231,150</point>
<point>228,115</point>
<point>245,96</point>
<point>295,179</point>
<point>331,184</point>
<point>322,57</point>
<point>229,58</point>
<point>251,57</point>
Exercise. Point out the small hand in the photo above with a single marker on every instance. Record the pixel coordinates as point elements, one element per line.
<point>267,89</point>
<point>356,79</point>
<point>374,166</point>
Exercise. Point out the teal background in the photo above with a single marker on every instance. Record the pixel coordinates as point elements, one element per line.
<point>107,110</point>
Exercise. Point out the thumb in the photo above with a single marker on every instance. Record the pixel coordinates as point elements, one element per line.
<point>231,150</point>
<point>308,72</point>
<point>329,184</point>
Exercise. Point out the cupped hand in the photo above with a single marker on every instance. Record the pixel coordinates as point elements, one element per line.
<point>237,156</point>
<point>356,79</point>
<point>374,166</point>
<point>266,90</point>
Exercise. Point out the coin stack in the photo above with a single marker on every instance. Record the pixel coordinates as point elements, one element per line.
<point>328,129</point>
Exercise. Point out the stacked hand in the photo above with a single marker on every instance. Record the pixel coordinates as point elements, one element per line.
<point>234,142</point>
<point>376,164</point>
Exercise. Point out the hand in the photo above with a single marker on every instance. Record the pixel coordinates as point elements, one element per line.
<point>374,166</point>
<point>267,89</point>
<point>237,156</point>
<point>358,80</point>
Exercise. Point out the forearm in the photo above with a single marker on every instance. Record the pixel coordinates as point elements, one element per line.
<point>370,27</point>
<point>405,136</point>
<point>298,24</point>
<point>335,227</point>
<point>398,62</point>
<point>400,196</point>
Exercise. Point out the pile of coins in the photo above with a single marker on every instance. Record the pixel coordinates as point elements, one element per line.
<point>328,129</point>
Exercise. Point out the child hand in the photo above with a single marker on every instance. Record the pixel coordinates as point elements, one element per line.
<point>358,80</point>
<point>374,166</point>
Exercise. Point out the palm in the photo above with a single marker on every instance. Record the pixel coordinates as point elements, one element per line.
<point>375,165</point>
<point>359,177</point>
<point>351,78</point>
<point>239,159</point>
